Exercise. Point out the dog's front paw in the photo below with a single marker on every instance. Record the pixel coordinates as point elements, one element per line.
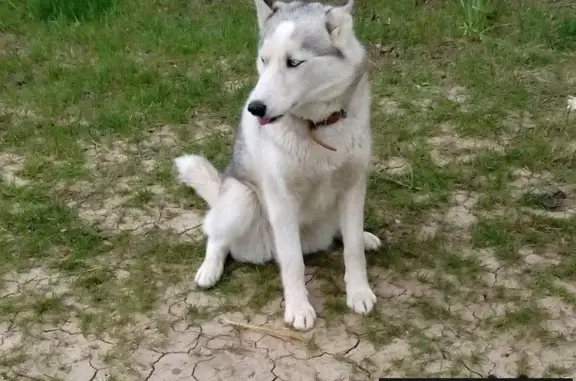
<point>360,299</point>
<point>209,273</point>
<point>300,315</point>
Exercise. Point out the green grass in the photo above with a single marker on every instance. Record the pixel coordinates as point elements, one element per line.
<point>48,305</point>
<point>42,224</point>
<point>518,319</point>
<point>196,316</point>
<point>478,16</point>
<point>382,331</point>
<point>95,82</point>
<point>74,10</point>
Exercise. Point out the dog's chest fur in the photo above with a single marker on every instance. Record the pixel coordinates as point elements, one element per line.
<point>315,176</point>
<point>319,194</point>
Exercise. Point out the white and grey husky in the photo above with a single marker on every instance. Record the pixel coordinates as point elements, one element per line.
<point>297,177</point>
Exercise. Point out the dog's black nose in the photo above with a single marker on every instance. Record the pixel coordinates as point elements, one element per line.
<point>257,108</point>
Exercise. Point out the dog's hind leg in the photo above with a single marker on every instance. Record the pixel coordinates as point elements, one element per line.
<point>371,242</point>
<point>213,265</point>
<point>321,235</point>
<point>225,223</point>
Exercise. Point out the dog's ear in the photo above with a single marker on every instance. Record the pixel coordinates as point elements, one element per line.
<point>349,7</point>
<point>265,9</point>
<point>339,22</point>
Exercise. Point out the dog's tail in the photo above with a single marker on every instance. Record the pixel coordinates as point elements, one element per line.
<point>198,173</point>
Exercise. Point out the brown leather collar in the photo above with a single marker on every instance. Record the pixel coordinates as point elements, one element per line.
<point>336,116</point>
<point>333,118</point>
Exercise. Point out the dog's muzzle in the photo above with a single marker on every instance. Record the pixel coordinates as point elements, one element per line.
<point>258,109</point>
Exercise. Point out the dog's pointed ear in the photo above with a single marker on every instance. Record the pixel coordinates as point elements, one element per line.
<point>349,7</point>
<point>265,9</point>
<point>339,21</point>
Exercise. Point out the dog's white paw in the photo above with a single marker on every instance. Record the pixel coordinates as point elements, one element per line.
<point>371,242</point>
<point>300,315</point>
<point>209,273</point>
<point>360,299</point>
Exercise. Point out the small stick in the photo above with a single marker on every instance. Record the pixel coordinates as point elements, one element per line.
<point>281,335</point>
<point>401,183</point>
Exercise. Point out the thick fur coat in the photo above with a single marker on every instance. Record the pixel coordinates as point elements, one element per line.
<point>283,195</point>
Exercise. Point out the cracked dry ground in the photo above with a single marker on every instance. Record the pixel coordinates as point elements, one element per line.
<point>99,243</point>
<point>133,313</point>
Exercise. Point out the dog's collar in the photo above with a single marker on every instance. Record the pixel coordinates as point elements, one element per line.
<point>338,115</point>
<point>333,118</point>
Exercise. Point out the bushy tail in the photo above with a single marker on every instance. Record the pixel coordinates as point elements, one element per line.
<point>198,173</point>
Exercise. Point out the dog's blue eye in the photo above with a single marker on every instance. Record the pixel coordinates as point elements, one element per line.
<point>293,63</point>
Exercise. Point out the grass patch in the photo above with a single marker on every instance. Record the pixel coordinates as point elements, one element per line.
<point>431,310</point>
<point>97,284</point>
<point>74,10</point>
<point>334,307</point>
<point>478,16</point>
<point>530,316</point>
<point>35,224</point>
<point>49,305</point>
<point>500,234</point>
<point>566,34</point>
<point>196,315</point>
<point>555,370</point>
<point>382,330</point>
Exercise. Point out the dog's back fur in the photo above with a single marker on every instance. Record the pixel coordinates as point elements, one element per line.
<point>283,194</point>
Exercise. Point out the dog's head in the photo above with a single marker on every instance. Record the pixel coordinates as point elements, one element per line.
<point>307,54</point>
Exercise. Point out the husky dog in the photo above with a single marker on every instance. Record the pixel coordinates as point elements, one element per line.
<point>284,194</point>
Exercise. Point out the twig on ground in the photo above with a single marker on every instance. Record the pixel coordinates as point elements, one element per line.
<point>281,335</point>
<point>403,185</point>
